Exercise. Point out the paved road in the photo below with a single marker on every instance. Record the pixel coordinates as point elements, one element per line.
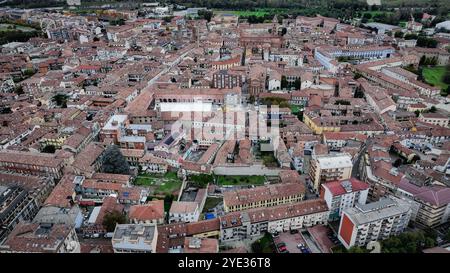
<point>357,167</point>
<point>310,243</point>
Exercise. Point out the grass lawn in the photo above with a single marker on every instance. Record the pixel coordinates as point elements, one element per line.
<point>434,75</point>
<point>211,203</point>
<point>163,184</point>
<point>242,12</point>
<point>235,180</point>
<point>269,159</point>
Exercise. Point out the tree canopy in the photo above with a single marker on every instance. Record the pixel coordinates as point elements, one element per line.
<point>115,162</point>
<point>409,242</point>
<point>113,218</point>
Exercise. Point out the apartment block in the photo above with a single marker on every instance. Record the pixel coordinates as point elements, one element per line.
<point>249,223</point>
<point>374,221</point>
<point>343,194</point>
<point>325,168</point>
<point>135,238</point>
<point>263,196</point>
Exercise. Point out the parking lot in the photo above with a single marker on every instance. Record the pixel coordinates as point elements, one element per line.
<point>291,241</point>
<point>322,235</point>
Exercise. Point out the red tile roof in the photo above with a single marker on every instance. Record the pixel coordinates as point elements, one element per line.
<point>153,210</point>
<point>336,188</point>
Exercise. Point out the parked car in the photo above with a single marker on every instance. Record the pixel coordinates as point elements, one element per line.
<point>282,249</point>
<point>281,244</point>
<point>294,231</point>
<point>109,235</point>
<point>300,246</point>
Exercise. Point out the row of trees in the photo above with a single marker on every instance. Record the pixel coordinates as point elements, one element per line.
<point>285,84</point>
<point>407,242</point>
<point>428,61</point>
<point>446,78</point>
<point>423,41</point>
<point>17,36</point>
<point>269,101</point>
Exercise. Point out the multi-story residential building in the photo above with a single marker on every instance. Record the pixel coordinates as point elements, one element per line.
<point>434,207</point>
<point>241,225</point>
<point>430,205</point>
<point>112,127</point>
<point>204,229</point>
<point>42,238</point>
<point>88,161</point>
<point>326,54</point>
<point>31,163</point>
<point>337,140</point>
<point>263,196</point>
<point>184,211</point>
<point>135,238</point>
<point>227,79</point>
<point>373,221</point>
<point>150,213</point>
<point>343,194</point>
<point>435,119</point>
<point>21,196</point>
<point>325,168</point>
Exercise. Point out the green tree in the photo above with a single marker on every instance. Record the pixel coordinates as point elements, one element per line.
<point>201,180</point>
<point>367,16</point>
<point>115,162</point>
<point>297,84</point>
<point>113,218</point>
<point>28,72</point>
<point>398,34</point>
<point>433,109</point>
<point>397,163</point>
<point>50,149</point>
<point>446,77</point>
<point>205,14</point>
<point>284,82</point>
<point>410,36</point>
<point>422,60</point>
<point>356,249</point>
<point>423,41</point>
<point>168,19</point>
<point>19,90</point>
<point>168,200</point>
<point>447,236</point>
<point>60,99</point>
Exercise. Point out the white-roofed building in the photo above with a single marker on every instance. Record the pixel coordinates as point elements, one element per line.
<point>135,238</point>
<point>325,168</point>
